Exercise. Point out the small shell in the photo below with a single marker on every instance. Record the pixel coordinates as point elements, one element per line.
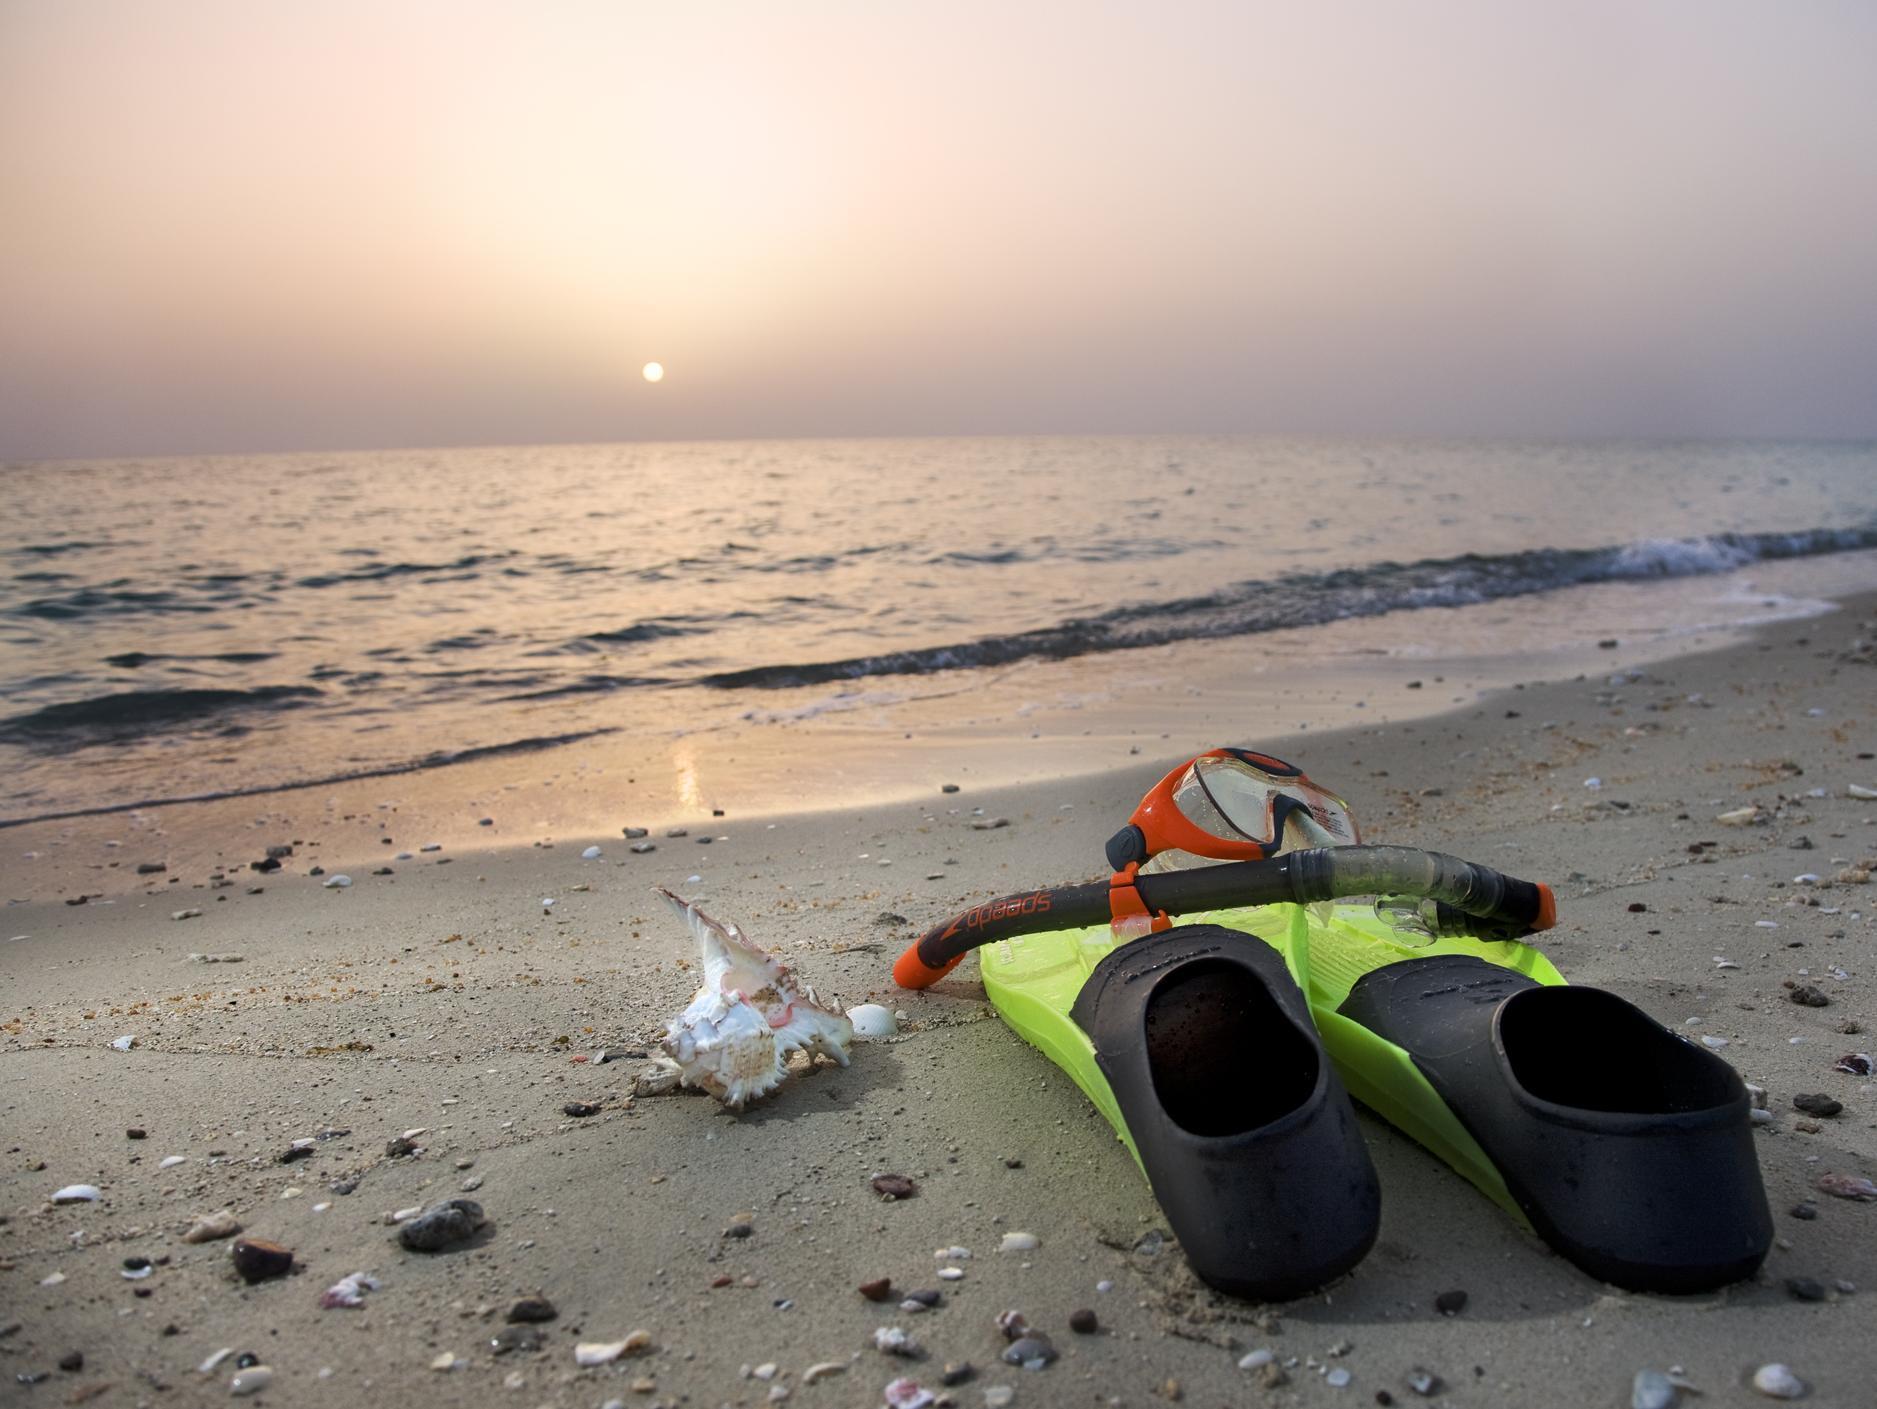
<point>872,1020</point>
<point>78,1194</point>
<point>1777,1381</point>
<point>1739,817</point>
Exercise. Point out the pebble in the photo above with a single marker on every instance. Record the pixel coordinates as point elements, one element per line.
<point>1423,1382</point>
<point>580,1109</point>
<point>592,853</point>
<point>605,1352</point>
<point>185,914</point>
<point>894,1186</point>
<point>1805,1288</point>
<point>338,882</point>
<point>989,824</point>
<point>1019,1242</point>
<point>951,1274</point>
<point>878,1290</point>
<point>442,1224</point>
<point>872,1020</point>
<point>1817,1103</point>
<point>633,833</point>
<point>1338,1378</point>
<point>215,958</point>
<point>77,1194</point>
<point>1013,1324</point>
<point>256,1259</point>
<point>212,1226</point>
<point>445,1361</point>
<point>948,787</point>
<point>72,1363</point>
<point>124,1043</point>
<point>1032,1352</point>
<point>998,1396</point>
<point>532,1308</point>
<point>1806,996</point>
<point>1450,1303</point>
<point>1652,1389</point>
<point>1777,1381</point>
<point>252,1380</point>
<point>1804,1212</point>
<point>1084,1322</point>
<point>641,847</point>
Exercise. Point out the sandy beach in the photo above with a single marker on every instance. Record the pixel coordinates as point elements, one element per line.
<point>443,1004</point>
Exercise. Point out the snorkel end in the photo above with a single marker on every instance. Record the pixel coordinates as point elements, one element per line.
<point>911,971</point>
<point>1547,907</point>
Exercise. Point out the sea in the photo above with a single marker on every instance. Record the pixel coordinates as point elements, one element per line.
<point>188,628</point>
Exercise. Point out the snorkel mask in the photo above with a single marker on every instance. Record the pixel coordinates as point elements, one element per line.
<point>1230,805</point>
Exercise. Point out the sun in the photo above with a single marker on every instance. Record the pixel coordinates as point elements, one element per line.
<point>653,371</point>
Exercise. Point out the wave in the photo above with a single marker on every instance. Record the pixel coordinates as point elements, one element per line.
<point>102,718</point>
<point>1311,599</point>
<point>442,758</point>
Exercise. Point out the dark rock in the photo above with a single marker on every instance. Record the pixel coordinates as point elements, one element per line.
<point>1799,844</point>
<point>1817,1103</point>
<point>1450,1303</point>
<point>639,848</point>
<point>532,1308</point>
<point>1804,1212</point>
<point>956,1372</point>
<point>246,1360</point>
<point>1853,1064</point>
<point>152,868</point>
<point>441,1225</point>
<point>135,1133</point>
<point>1013,1324</point>
<point>270,864</point>
<point>580,1109</point>
<point>887,917</point>
<point>739,1230</point>
<point>705,840</point>
<point>633,833</point>
<point>948,787</point>
<point>278,853</point>
<point>1636,907</point>
<point>295,1152</point>
<point>136,1264</point>
<point>256,1259</point>
<point>677,831</point>
<point>1032,1352</point>
<point>877,1290</point>
<point>73,1362</point>
<point>1012,1162</point>
<point>343,1187</point>
<point>1805,1288</point>
<point>384,871</point>
<point>1084,1322</point>
<point>485,821</point>
<point>1806,996</point>
<point>894,1186</point>
<point>400,1148</point>
<point>317,871</point>
<point>925,1296</point>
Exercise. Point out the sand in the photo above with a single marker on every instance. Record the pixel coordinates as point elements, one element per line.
<point>444,998</point>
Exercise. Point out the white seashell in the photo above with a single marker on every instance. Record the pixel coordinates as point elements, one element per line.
<point>78,1194</point>
<point>124,1043</point>
<point>1739,817</point>
<point>821,1371</point>
<point>605,1352</point>
<point>1652,1389</point>
<point>1256,1360</point>
<point>207,1367</point>
<point>1019,1242</point>
<point>735,1037</point>
<point>339,882</point>
<point>905,1393</point>
<point>872,1020</point>
<point>1859,790</point>
<point>171,1161</point>
<point>1778,1382</point>
<point>252,1380</point>
<point>592,853</point>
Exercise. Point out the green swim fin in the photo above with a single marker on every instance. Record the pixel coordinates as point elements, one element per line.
<point>1196,1044</point>
<point>1626,1147</point>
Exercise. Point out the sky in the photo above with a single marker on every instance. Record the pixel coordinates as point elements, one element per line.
<point>259,225</point>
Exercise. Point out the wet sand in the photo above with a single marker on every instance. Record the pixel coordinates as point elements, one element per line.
<point>446,999</point>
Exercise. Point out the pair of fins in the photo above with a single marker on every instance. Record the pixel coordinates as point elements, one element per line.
<point>1225,1051</point>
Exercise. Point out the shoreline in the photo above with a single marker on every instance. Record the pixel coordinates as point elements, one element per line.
<point>465,998</point>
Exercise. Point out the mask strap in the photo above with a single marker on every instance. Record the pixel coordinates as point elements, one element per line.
<point>1129,916</point>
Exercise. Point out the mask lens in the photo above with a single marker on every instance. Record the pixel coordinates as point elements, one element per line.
<point>1251,804</point>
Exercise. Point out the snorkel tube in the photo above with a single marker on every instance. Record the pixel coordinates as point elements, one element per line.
<point>1467,899</point>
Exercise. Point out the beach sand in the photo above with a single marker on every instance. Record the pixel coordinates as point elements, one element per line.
<point>445,997</point>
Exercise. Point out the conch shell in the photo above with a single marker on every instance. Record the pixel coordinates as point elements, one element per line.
<point>735,1038</point>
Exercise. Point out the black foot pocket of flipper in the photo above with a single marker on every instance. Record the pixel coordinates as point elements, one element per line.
<point>1244,1128</point>
<point>1629,1148</point>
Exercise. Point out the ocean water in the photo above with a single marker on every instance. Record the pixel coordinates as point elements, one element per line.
<point>178,628</point>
